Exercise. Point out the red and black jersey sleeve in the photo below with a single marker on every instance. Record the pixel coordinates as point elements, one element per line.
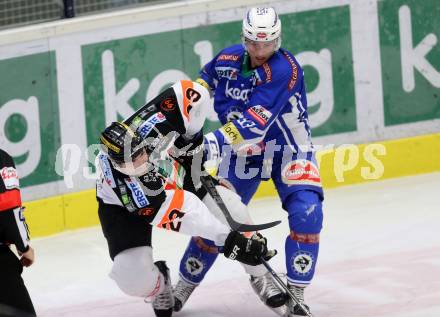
<point>13,228</point>
<point>9,185</point>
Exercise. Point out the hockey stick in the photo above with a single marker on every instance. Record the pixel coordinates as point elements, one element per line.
<point>208,183</point>
<point>285,288</point>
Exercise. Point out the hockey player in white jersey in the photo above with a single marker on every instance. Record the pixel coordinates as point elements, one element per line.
<point>145,181</point>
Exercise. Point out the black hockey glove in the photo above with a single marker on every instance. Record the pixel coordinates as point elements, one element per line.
<point>186,148</point>
<point>247,251</point>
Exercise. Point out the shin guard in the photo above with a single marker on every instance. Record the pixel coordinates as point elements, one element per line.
<point>198,258</point>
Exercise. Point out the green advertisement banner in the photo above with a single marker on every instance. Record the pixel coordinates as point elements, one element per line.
<point>136,63</point>
<point>65,89</point>
<point>326,31</point>
<point>409,33</point>
<point>29,115</point>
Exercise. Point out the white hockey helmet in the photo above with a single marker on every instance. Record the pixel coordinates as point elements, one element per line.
<point>262,25</point>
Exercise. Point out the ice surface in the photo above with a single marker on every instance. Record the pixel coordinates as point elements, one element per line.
<point>379,256</point>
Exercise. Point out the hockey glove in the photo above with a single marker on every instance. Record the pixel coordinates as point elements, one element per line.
<point>185,149</point>
<point>247,251</point>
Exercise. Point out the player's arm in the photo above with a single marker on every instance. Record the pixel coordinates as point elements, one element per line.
<point>15,231</point>
<point>265,103</point>
<point>193,102</point>
<point>180,109</point>
<point>185,213</point>
<point>208,77</point>
<point>12,222</point>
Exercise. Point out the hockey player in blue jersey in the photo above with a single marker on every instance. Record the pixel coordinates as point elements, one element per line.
<point>260,98</point>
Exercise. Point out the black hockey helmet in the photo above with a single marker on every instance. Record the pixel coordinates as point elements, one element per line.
<point>120,142</point>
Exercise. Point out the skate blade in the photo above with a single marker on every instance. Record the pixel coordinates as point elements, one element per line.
<point>280,311</point>
<point>288,314</point>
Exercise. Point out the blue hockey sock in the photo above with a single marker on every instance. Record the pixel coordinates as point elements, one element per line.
<point>300,260</point>
<point>198,258</point>
<point>302,245</point>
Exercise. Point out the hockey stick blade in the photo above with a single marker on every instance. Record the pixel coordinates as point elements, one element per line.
<point>286,289</point>
<point>208,183</point>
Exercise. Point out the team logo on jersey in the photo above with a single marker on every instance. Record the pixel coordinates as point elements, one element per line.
<point>302,263</point>
<point>149,124</point>
<point>227,57</point>
<point>255,79</point>
<point>107,171</point>
<point>169,104</point>
<point>237,93</point>
<point>227,72</point>
<point>139,197</point>
<point>260,114</point>
<point>146,211</point>
<point>194,266</point>
<point>301,172</point>
<point>10,177</point>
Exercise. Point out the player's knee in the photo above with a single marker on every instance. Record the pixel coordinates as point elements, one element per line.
<point>134,272</point>
<point>205,245</point>
<point>305,212</point>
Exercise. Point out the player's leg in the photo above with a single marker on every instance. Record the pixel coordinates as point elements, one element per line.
<point>14,297</point>
<point>298,185</point>
<point>198,258</point>
<point>201,254</point>
<point>302,245</point>
<point>260,279</point>
<point>135,273</point>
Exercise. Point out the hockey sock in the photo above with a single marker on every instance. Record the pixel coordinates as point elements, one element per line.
<point>300,260</point>
<point>198,258</point>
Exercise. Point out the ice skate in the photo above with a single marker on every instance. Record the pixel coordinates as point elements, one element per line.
<point>269,293</point>
<point>182,292</point>
<point>163,303</point>
<point>293,309</point>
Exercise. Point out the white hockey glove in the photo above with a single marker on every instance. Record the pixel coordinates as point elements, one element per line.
<point>247,251</point>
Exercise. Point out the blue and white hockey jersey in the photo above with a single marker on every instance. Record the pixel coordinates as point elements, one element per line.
<point>261,107</point>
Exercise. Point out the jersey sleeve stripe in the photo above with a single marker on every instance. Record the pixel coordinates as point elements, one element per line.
<point>10,199</point>
<point>176,203</point>
<point>22,226</point>
<point>186,84</point>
